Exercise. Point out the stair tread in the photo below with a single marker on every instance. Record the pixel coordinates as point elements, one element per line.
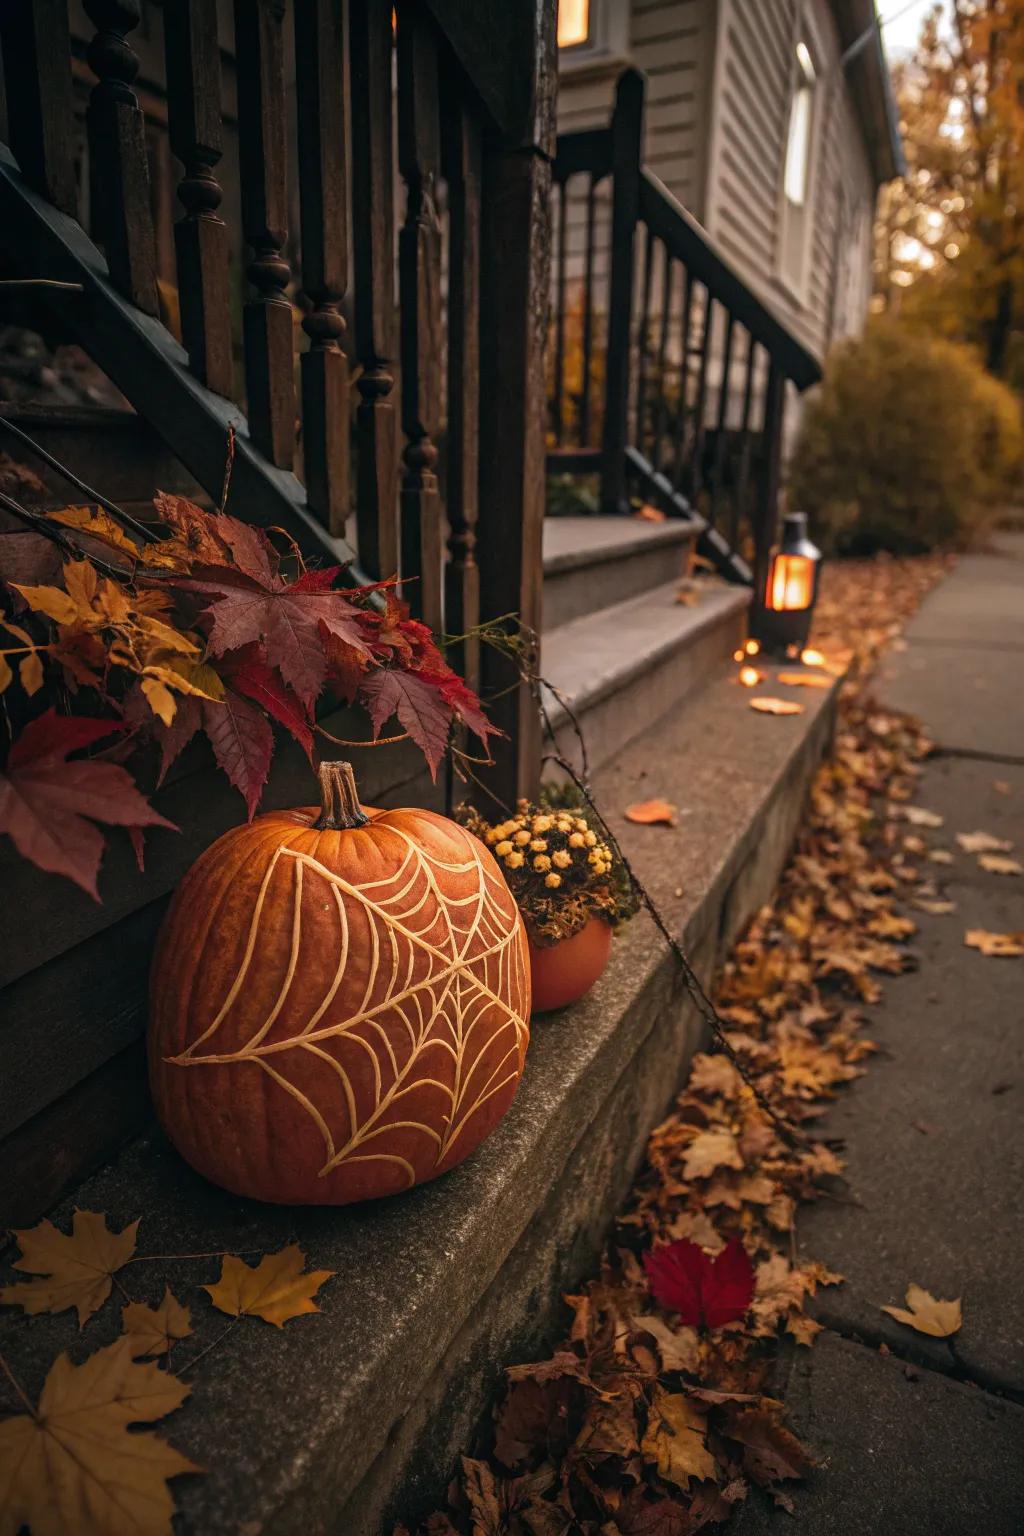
<point>593,656</point>
<point>571,542</point>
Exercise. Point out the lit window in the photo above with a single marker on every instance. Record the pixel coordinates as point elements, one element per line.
<point>798,146</point>
<point>573,22</point>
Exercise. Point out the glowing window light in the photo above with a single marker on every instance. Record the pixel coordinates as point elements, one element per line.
<point>573,22</point>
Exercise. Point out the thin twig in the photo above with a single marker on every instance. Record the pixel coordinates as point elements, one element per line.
<point>171,1258</point>
<point>342,741</point>
<point>523,657</point>
<point>212,1345</point>
<point>41,282</point>
<point>229,465</point>
<point>16,1384</point>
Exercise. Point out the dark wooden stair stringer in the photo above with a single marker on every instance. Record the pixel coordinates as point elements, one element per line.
<point>150,369</point>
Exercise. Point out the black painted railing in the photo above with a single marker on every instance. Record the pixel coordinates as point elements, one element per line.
<point>667,375</point>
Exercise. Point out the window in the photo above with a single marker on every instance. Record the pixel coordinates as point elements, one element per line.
<point>798,146</point>
<point>593,35</point>
<point>797,180</point>
<point>573,23</point>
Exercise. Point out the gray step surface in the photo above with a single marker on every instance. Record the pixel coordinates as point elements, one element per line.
<point>595,562</point>
<point>622,668</point>
<point>339,1423</point>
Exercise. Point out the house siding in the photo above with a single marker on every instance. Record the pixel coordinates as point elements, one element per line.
<point>750,122</point>
<point>720,79</point>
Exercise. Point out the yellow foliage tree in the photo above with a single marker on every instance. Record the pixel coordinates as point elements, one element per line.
<point>951,234</point>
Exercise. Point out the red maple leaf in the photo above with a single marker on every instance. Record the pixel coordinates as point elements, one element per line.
<point>251,676</point>
<point>416,701</point>
<point>287,622</point>
<point>242,743</point>
<point>45,800</point>
<point>712,1291</point>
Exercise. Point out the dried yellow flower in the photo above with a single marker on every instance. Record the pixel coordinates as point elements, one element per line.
<point>561,859</point>
<point>504,848</point>
<point>542,823</point>
<point>590,838</point>
<point>522,838</point>
<point>576,840</point>
<point>514,860</point>
<point>553,881</point>
<point>542,862</point>
<point>538,845</point>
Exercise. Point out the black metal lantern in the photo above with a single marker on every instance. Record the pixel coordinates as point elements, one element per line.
<point>791,588</point>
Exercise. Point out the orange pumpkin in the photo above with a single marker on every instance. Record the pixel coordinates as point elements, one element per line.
<point>339,1002</point>
<point>562,972</point>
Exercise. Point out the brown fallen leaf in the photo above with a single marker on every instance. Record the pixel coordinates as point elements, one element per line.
<point>675,1439</point>
<point>276,1290</point>
<point>152,1330</point>
<point>937,906</point>
<point>1000,946</point>
<point>999,864</point>
<point>804,680</point>
<point>940,1319</point>
<point>918,816</point>
<point>75,1467</point>
<point>982,842</point>
<point>651,813</point>
<point>766,706</point>
<point>1001,787</point>
<point>710,1150</point>
<point>74,1271</point>
<point>678,1347</point>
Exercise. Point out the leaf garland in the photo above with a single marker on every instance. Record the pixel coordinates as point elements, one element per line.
<point>208,629</point>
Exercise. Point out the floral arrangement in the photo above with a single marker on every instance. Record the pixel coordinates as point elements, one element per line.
<point>145,636</point>
<point>559,869</point>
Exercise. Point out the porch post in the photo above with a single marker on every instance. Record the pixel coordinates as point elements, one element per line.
<point>627,150</point>
<point>515,258</point>
<point>767,495</point>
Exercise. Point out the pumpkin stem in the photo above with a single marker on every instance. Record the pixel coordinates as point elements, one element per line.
<point>339,799</point>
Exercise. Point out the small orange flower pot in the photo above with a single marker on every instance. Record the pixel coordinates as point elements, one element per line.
<point>563,972</point>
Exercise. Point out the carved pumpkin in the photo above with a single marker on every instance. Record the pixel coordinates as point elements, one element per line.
<point>339,1002</point>
<point>563,972</point>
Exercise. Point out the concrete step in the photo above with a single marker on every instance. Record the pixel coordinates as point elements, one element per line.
<point>620,669</point>
<point>595,562</point>
<point>114,450</point>
<point>360,1413</point>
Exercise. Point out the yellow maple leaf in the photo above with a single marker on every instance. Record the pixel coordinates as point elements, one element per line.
<point>152,1330</point>
<point>97,524</point>
<point>927,1315</point>
<point>74,1271</point>
<point>675,1439</point>
<point>74,1466</point>
<point>275,1290</point>
<point>49,601</point>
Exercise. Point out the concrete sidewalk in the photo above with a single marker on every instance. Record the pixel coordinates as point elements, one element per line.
<point>919,1438</point>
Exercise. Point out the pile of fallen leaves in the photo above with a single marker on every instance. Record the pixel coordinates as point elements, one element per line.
<point>72,1462</point>
<point>653,1417</point>
<point>199,623</point>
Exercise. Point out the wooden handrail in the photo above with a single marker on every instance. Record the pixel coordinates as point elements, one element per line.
<point>669,221</point>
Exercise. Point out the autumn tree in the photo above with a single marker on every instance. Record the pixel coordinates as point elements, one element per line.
<point>951,233</point>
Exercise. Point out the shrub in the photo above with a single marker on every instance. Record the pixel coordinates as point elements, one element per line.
<point>908,445</point>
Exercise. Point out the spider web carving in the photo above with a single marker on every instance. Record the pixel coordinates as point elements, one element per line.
<point>421,1023</point>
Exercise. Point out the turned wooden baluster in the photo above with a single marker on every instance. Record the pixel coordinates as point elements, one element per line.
<point>320,90</point>
<point>419,269</point>
<point>267,322</point>
<point>462,172</point>
<point>40,110</point>
<point>371,53</point>
<point>201,236</point>
<point>118,168</point>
